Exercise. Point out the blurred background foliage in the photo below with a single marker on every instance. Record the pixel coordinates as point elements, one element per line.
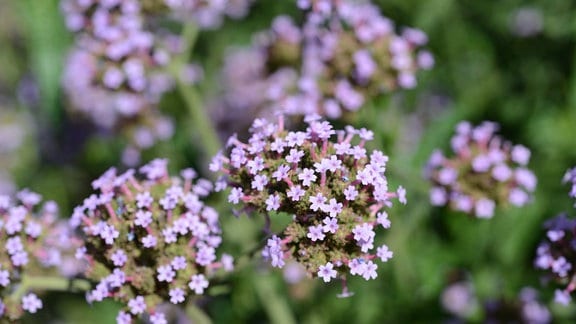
<point>508,61</point>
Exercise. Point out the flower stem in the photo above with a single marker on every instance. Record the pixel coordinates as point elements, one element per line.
<point>52,283</point>
<point>200,120</point>
<point>197,316</point>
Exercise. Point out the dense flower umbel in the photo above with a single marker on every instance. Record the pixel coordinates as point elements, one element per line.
<point>333,189</point>
<point>149,241</point>
<point>29,249</point>
<point>485,172</point>
<point>333,63</point>
<point>556,255</point>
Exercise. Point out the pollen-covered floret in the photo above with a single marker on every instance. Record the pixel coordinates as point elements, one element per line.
<point>326,181</point>
<point>149,239</point>
<point>484,173</point>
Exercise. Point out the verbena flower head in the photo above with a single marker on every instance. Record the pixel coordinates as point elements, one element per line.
<point>117,70</point>
<point>27,232</point>
<point>149,241</point>
<point>556,256</point>
<point>332,188</point>
<point>332,64</point>
<point>484,173</point>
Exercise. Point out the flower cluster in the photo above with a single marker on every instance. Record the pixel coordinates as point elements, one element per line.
<point>333,190</point>
<point>28,250</point>
<point>485,172</point>
<point>114,72</point>
<point>117,71</point>
<point>149,241</point>
<point>333,63</point>
<point>570,177</point>
<point>556,255</point>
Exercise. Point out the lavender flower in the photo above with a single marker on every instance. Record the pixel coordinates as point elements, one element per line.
<point>149,239</point>
<point>332,195</point>
<point>486,172</point>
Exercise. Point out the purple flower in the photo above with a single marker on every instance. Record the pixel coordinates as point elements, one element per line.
<point>295,193</point>
<point>273,202</point>
<point>149,241</point>
<point>294,156</point>
<point>158,318</point>
<point>315,233</point>
<point>307,176</point>
<point>330,225</point>
<point>177,295</point>
<point>123,318</point>
<point>384,253</point>
<point>485,208</point>
<point>259,182</point>
<point>501,172</point>
<point>350,193</point>
<point>178,263</point>
<point>327,272</point>
<point>137,305</point>
<point>166,273</point>
<point>109,233</point>
<point>119,258</point>
<point>198,283</point>
<point>369,270</point>
<point>518,197</point>
<point>4,278</point>
<point>562,297</point>
<point>317,202</point>
<point>382,219</point>
<point>333,207</point>
<point>401,192</point>
<point>236,195</point>
<point>520,154</point>
<point>31,303</point>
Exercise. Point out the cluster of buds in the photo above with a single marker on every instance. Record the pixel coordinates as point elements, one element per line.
<point>31,247</point>
<point>334,192</point>
<point>149,241</point>
<point>570,177</point>
<point>485,172</point>
<point>333,63</point>
<point>556,255</point>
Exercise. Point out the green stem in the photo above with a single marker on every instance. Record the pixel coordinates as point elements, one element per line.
<point>197,316</point>
<point>49,283</point>
<point>275,305</point>
<point>200,120</point>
